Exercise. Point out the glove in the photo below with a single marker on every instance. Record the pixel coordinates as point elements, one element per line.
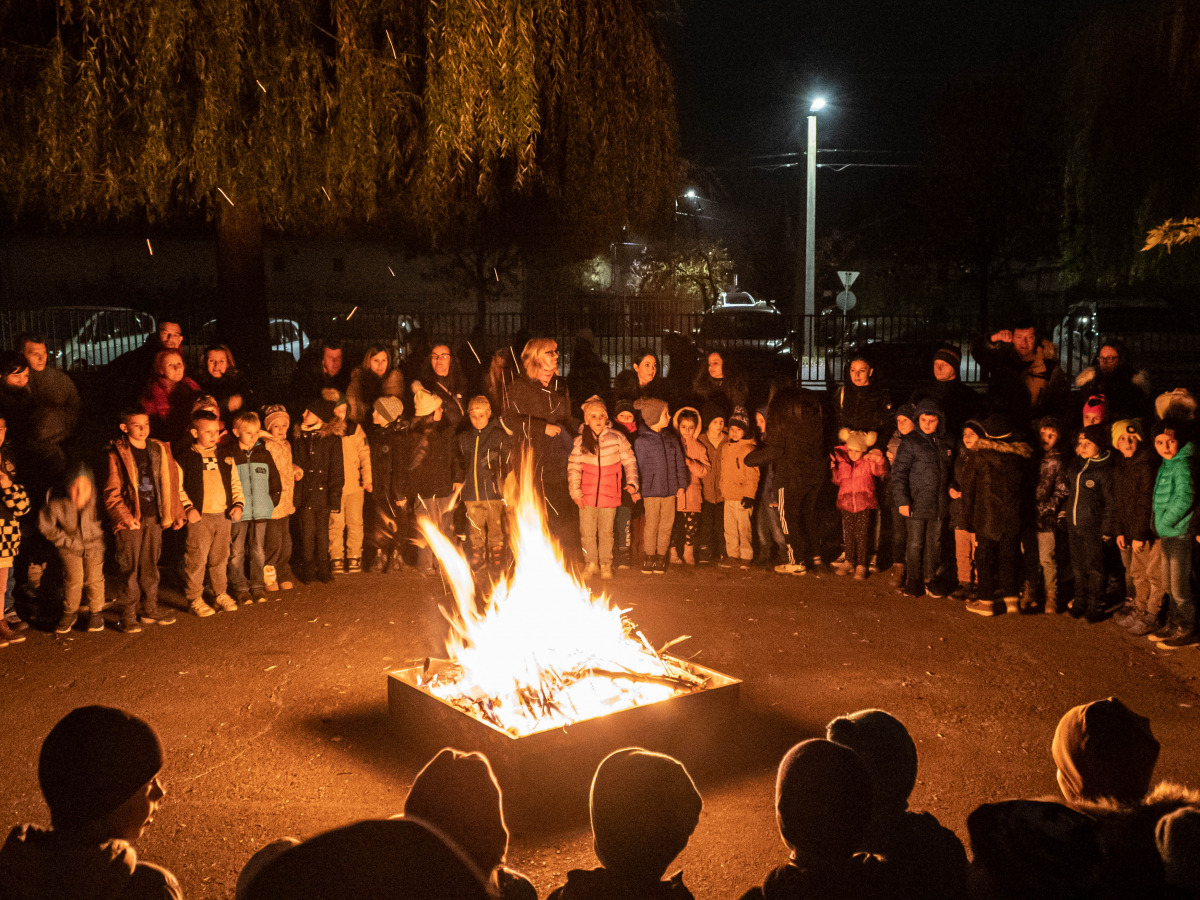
<point>747,503</point>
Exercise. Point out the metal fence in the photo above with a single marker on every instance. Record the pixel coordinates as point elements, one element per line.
<point>814,348</point>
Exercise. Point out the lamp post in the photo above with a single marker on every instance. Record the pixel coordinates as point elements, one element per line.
<point>810,232</point>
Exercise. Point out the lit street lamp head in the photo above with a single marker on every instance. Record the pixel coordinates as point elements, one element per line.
<point>817,105</point>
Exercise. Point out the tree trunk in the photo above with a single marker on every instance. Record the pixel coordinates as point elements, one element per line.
<point>241,303</point>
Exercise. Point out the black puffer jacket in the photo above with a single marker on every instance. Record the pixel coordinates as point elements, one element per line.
<point>1133,494</point>
<point>432,459</point>
<point>994,489</point>
<point>319,453</point>
<point>863,409</point>
<point>921,473</point>
<point>1090,498</point>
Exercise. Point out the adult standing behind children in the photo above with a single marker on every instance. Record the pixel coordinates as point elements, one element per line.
<point>955,400</point>
<point>220,379</point>
<point>100,771</point>
<point>443,377</point>
<point>142,496</point>
<point>214,503</point>
<point>642,381</point>
<point>376,377</point>
<point>55,406</point>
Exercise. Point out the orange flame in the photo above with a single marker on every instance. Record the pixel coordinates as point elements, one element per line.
<point>542,652</point>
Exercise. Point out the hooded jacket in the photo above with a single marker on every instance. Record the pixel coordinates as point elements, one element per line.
<point>921,472</point>
<point>1133,494</point>
<point>1175,495</point>
<point>262,485</point>
<point>993,490</point>
<point>121,499</point>
<point>356,459</point>
<point>69,529</point>
<point>710,484</point>
<point>855,479</point>
<point>318,451</point>
<point>594,479</point>
<point>281,452</point>
<point>662,470</point>
<point>483,456</point>
<point>739,479</point>
<point>1089,494</point>
<point>37,864</point>
<point>695,456</point>
<point>1052,489</point>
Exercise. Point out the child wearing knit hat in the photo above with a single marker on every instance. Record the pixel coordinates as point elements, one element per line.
<point>663,477</point>
<point>739,484</point>
<point>1089,508</point>
<point>1141,551</point>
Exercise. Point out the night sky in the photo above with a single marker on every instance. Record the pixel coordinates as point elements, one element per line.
<point>746,72</point>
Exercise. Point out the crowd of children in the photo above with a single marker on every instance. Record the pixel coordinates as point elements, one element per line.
<point>841,806</point>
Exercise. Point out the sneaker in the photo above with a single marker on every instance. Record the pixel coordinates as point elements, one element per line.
<point>129,626</point>
<point>1163,632</point>
<point>843,568</point>
<point>932,590</point>
<point>226,603</point>
<point>15,622</point>
<point>273,586</point>
<point>65,624</point>
<point>1012,604</point>
<point>606,572</point>
<point>622,565</point>
<point>860,573</point>
<point>337,567</point>
<point>260,598</point>
<point>906,591</point>
<point>791,569</point>
<point>660,565</point>
<point>981,607</point>
<point>156,618</point>
<point>648,566</point>
<point>1142,627</point>
<point>591,570</point>
<point>727,563</point>
<point>245,599</point>
<point>286,585</point>
<point>201,609</point>
<point>354,566</point>
<point>1184,639</point>
<point>962,592</point>
<point>95,622</point>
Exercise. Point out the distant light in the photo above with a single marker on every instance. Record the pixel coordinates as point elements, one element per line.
<point>691,194</point>
<point>817,105</point>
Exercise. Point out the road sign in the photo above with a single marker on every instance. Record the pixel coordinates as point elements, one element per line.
<point>846,300</point>
<point>847,280</point>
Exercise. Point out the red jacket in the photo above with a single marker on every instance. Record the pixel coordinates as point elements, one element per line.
<point>856,480</point>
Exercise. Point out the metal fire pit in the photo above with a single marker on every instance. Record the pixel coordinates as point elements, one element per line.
<point>427,723</point>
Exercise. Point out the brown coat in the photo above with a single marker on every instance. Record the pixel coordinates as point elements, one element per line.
<point>121,500</point>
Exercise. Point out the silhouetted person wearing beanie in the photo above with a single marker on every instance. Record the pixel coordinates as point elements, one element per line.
<point>99,772</point>
<point>823,806</point>
<point>924,858</point>
<point>457,793</point>
<point>644,809</point>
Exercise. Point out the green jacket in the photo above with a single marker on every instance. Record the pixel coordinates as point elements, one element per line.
<point>1175,495</point>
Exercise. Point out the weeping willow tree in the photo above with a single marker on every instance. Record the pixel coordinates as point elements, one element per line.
<point>1133,156</point>
<point>456,123</point>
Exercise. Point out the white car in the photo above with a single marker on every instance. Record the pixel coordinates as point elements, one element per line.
<point>286,336</point>
<point>104,334</point>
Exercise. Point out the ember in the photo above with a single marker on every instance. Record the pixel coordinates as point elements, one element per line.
<point>543,652</point>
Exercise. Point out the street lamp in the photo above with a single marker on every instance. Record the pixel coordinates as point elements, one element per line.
<point>810,235</point>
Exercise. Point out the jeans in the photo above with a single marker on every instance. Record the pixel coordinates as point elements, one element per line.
<point>964,555</point>
<point>660,518</point>
<point>596,527</point>
<point>138,550</point>
<point>1144,568</point>
<point>83,571</point>
<point>737,531</point>
<point>769,527</point>
<point>923,552</point>
<point>346,527</point>
<point>277,547</point>
<point>207,550</point>
<point>247,539</point>
<point>1177,575</point>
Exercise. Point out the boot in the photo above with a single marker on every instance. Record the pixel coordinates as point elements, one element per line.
<point>394,563</point>
<point>689,555</point>
<point>898,575</point>
<point>269,580</point>
<point>7,635</point>
<point>1028,602</point>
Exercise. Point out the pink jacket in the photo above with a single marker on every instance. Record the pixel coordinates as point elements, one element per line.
<point>856,480</point>
<point>594,479</point>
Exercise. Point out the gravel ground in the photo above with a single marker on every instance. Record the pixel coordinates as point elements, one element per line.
<point>275,717</point>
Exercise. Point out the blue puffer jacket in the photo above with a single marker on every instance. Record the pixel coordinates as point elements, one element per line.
<point>921,472</point>
<point>662,469</point>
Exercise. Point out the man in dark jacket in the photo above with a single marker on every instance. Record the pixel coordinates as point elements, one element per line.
<point>956,401</point>
<point>993,491</point>
<point>1133,513</point>
<point>920,486</point>
<point>1025,381</point>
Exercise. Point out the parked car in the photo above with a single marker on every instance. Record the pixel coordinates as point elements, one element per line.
<point>745,323</point>
<point>286,336</point>
<point>86,337</point>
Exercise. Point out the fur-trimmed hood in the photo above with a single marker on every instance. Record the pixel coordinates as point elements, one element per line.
<point>1019,448</point>
<point>1165,797</point>
<point>335,427</point>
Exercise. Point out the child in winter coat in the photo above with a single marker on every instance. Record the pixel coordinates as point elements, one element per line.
<point>964,536</point>
<point>1174,508</point>
<point>433,474</point>
<point>687,516</point>
<point>600,461</point>
<point>711,538</point>
<point>14,503</point>
<point>261,490</point>
<point>772,542</point>
<point>663,477</point>
<point>317,450</point>
<point>739,483</point>
<point>631,514</point>
<point>1050,499</point>
<point>389,503</point>
<point>1089,518</point>
<point>68,520</point>
<point>277,544</point>
<point>920,486</point>
<point>855,467</point>
<point>897,525</point>
<point>142,496</point>
<point>991,497</point>
<point>483,457</point>
<point>1133,517</point>
<point>346,522</point>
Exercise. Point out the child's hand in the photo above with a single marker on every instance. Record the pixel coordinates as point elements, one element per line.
<point>403,504</point>
<point>235,514</point>
<point>5,481</point>
<point>1139,546</point>
<point>1121,541</point>
<point>578,501</point>
<point>903,510</point>
<point>135,526</point>
<point>297,473</point>
<point>367,486</point>
<point>193,515</point>
<point>679,496</point>
<point>955,494</point>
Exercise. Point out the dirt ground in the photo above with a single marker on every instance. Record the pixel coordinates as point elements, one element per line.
<point>275,717</point>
